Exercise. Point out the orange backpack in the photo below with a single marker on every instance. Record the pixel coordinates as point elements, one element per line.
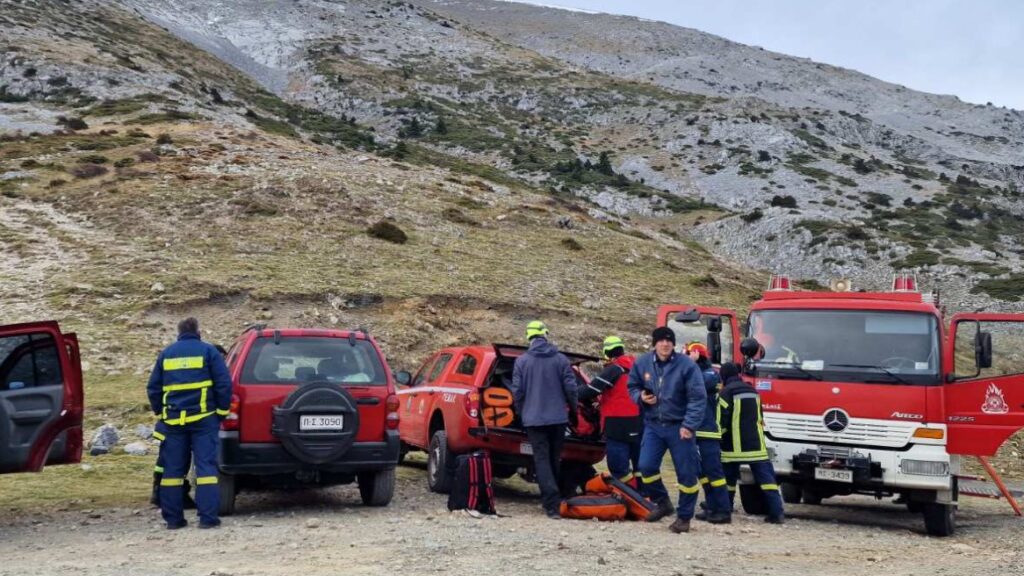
<point>497,397</point>
<point>498,417</point>
<point>639,507</point>
<point>589,506</point>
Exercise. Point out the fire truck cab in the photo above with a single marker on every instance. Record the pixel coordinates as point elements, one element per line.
<point>870,392</point>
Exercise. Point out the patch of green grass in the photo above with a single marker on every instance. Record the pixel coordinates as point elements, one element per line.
<point>169,115</point>
<point>71,487</point>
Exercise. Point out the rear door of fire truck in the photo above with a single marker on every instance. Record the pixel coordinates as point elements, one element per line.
<point>717,327</point>
<point>984,389</point>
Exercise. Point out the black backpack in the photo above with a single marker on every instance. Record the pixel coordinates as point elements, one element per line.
<point>472,488</point>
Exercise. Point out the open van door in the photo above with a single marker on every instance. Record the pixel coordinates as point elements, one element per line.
<point>717,327</point>
<point>41,398</point>
<point>984,388</point>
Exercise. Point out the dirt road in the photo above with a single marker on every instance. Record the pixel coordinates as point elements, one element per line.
<point>327,532</point>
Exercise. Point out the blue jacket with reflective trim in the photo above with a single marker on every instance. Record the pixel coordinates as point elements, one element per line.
<point>677,383</point>
<point>709,428</point>
<point>189,382</point>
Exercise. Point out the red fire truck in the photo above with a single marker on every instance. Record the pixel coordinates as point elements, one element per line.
<point>870,392</point>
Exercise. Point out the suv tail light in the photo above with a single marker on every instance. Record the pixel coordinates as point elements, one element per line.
<point>231,421</point>
<point>472,404</point>
<point>392,405</point>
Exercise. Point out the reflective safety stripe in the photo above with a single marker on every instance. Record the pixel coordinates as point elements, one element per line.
<point>183,418</point>
<point>189,386</point>
<point>626,478</point>
<point>186,363</point>
<point>223,412</point>
<point>159,436</point>
<point>709,435</point>
<point>689,489</point>
<point>649,479</point>
<point>202,400</point>
<point>768,487</point>
<point>704,480</point>
<point>158,469</point>
<point>172,481</point>
<point>732,488</point>
<point>752,456</point>
<point>201,480</point>
<point>718,483</point>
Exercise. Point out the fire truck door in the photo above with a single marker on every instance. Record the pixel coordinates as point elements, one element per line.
<point>717,327</point>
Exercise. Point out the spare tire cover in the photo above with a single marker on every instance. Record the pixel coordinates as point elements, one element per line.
<point>316,399</point>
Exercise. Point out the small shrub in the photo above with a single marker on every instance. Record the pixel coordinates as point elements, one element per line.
<point>93,159</point>
<point>705,281</point>
<point>124,162</point>
<point>752,216</point>
<point>57,183</point>
<point>784,201</point>
<point>164,139</point>
<point>458,217</point>
<point>75,124</point>
<point>147,156</point>
<point>88,171</point>
<point>572,244</point>
<point>387,231</point>
<point>30,163</point>
<point>763,156</point>
<point>855,233</point>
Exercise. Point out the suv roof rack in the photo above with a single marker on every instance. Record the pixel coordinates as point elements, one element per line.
<point>257,327</point>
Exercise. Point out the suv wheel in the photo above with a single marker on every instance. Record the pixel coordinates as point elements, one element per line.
<point>377,488</point>
<point>228,490</point>
<point>439,462</point>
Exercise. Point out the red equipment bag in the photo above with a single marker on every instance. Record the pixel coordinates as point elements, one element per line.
<point>589,506</point>
<point>639,507</point>
<point>472,489</point>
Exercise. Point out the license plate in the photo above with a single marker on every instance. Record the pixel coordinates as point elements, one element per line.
<point>833,475</point>
<point>525,448</point>
<point>321,422</point>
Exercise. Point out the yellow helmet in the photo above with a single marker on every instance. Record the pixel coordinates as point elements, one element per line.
<point>611,343</point>
<point>536,328</point>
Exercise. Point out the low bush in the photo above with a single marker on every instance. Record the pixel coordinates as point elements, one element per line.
<point>384,230</point>
<point>85,171</point>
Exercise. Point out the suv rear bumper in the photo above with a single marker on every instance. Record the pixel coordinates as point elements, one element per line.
<point>259,459</point>
<point>510,445</point>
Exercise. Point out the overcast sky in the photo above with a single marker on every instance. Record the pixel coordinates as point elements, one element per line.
<point>973,49</point>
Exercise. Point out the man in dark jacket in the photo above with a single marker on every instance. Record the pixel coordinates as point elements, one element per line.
<point>620,416</point>
<point>670,391</point>
<point>717,509</point>
<point>743,439</point>
<point>190,390</point>
<point>544,393</point>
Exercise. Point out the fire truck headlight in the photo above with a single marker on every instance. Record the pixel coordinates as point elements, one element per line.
<point>924,468</point>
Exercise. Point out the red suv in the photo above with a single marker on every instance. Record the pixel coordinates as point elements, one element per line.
<point>40,397</point>
<point>309,406</point>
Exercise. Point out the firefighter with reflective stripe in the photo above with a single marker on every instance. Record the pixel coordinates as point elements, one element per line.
<point>743,440</point>
<point>620,416</point>
<point>717,509</point>
<point>190,390</point>
<point>670,391</point>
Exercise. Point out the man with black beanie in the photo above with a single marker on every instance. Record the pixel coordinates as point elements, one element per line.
<point>669,389</point>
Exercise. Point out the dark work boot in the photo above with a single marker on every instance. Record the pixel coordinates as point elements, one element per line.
<point>154,498</point>
<point>680,526</point>
<point>780,519</point>
<point>664,508</point>
<point>719,518</point>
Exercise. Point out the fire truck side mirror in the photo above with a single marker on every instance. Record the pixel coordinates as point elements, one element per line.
<point>715,324</point>
<point>715,347</point>
<point>749,347</point>
<point>983,349</point>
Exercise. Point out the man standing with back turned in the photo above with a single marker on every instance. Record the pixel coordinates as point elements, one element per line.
<point>544,392</point>
<point>670,391</point>
<point>190,391</point>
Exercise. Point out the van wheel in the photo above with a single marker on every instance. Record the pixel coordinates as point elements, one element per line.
<point>377,488</point>
<point>228,491</point>
<point>439,464</point>
<point>752,499</point>
<point>939,519</point>
<point>791,493</point>
<point>812,496</point>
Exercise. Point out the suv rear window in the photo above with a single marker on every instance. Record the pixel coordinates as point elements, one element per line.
<point>297,359</point>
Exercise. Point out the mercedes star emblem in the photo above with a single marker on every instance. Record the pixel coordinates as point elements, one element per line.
<point>836,420</point>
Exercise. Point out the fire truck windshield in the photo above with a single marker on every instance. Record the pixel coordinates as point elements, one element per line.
<point>847,345</point>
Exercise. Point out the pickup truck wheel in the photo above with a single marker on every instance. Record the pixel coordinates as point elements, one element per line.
<point>228,491</point>
<point>439,464</point>
<point>752,499</point>
<point>939,519</point>
<point>377,488</point>
<point>791,493</point>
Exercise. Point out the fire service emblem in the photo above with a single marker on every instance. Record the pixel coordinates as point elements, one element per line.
<point>995,403</point>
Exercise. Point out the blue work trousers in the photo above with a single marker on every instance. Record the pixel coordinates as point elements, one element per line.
<point>198,442</point>
<point>764,477</point>
<point>656,440</point>
<point>712,476</point>
<point>623,459</point>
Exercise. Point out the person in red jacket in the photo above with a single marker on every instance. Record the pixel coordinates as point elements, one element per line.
<point>620,416</point>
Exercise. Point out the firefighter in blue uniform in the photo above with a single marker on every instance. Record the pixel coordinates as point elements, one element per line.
<point>717,508</point>
<point>743,440</point>
<point>669,389</point>
<point>190,391</point>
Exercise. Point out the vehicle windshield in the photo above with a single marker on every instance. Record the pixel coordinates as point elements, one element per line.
<point>297,359</point>
<point>847,345</point>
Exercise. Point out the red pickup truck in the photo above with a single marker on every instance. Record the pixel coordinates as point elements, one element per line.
<point>443,413</point>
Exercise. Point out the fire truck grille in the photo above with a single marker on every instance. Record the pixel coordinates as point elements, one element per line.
<point>811,428</point>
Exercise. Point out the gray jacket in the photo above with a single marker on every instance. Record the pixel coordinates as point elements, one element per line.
<point>543,385</point>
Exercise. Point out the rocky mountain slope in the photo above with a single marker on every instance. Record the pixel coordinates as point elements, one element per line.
<point>826,172</point>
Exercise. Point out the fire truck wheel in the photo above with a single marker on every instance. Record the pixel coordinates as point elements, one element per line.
<point>939,519</point>
<point>812,496</point>
<point>791,492</point>
<point>752,499</point>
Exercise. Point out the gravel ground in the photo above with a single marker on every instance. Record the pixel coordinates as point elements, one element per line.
<point>328,532</point>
